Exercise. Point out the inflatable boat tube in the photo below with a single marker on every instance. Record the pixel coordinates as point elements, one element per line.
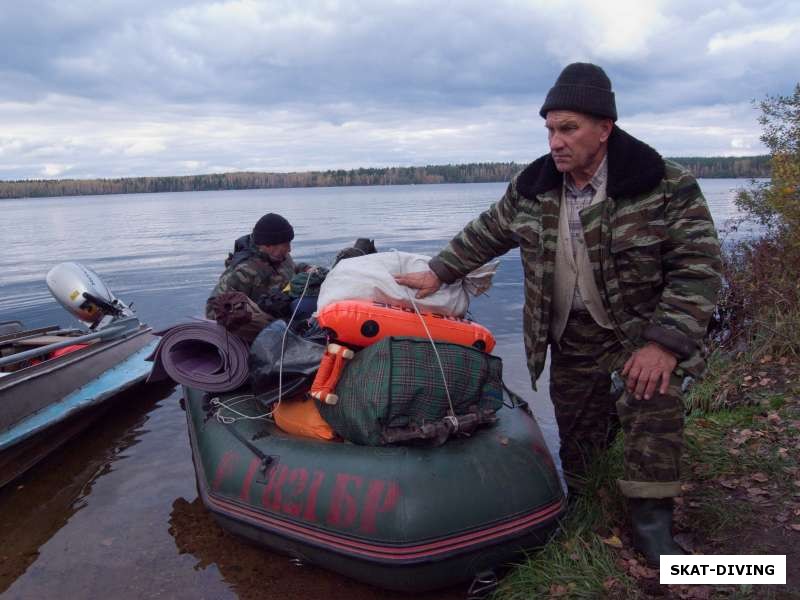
<point>397,517</point>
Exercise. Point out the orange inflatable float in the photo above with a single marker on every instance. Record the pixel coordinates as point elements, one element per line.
<point>364,322</point>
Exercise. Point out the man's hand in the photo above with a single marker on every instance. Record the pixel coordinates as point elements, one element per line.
<point>427,282</point>
<point>646,368</point>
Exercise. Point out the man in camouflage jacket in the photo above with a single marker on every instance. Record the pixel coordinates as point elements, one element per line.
<point>259,269</point>
<point>639,308</point>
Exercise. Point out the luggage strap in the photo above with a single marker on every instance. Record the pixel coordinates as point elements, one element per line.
<point>439,431</point>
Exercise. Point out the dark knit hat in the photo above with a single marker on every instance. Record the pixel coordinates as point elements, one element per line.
<point>582,87</point>
<point>271,230</point>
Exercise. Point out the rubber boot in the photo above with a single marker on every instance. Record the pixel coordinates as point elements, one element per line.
<point>651,522</point>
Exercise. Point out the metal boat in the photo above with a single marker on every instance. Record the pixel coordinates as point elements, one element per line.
<point>53,380</point>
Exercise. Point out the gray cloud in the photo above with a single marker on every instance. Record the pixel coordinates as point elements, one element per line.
<point>171,86</point>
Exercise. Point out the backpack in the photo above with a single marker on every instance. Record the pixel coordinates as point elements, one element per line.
<point>393,392</point>
<point>242,250</point>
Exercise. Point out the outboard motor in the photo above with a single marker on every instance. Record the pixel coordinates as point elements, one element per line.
<point>81,291</point>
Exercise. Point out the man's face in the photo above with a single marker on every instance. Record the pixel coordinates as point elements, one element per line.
<point>576,139</point>
<point>276,252</point>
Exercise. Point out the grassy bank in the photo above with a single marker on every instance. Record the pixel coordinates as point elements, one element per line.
<point>741,495</point>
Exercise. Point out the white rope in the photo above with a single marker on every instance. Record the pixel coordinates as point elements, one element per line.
<point>452,416</point>
<point>228,404</point>
<point>283,339</point>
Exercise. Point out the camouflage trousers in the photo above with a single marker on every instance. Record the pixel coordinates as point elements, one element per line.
<point>589,413</point>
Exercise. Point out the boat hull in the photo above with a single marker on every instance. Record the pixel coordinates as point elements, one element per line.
<point>400,518</point>
<point>51,397</point>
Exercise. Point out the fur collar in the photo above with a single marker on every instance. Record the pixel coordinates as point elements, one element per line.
<point>633,168</point>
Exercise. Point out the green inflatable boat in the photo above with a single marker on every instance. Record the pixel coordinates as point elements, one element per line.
<point>397,517</point>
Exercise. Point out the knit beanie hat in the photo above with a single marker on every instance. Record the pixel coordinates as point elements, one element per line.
<point>272,229</point>
<point>584,88</point>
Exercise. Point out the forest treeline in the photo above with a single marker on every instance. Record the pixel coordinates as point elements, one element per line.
<point>706,167</point>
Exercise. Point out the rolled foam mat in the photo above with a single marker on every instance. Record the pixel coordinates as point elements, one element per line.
<point>202,355</point>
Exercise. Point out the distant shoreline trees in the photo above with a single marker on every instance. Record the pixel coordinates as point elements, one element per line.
<point>702,167</point>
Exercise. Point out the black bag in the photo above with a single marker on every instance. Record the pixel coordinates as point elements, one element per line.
<point>301,358</point>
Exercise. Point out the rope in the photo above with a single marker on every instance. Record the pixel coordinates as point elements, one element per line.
<point>228,405</point>
<point>452,416</point>
<point>283,341</point>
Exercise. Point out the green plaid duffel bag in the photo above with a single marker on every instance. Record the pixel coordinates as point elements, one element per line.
<point>393,392</point>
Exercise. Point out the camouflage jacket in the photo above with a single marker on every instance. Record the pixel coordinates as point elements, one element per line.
<point>652,245</point>
<point>254,276</point>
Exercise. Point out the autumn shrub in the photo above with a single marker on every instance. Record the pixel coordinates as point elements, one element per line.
<point>759,305</point>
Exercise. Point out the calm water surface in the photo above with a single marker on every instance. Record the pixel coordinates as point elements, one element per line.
<point>115,512</point>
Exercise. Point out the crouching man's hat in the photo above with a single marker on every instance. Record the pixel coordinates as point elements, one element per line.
<point>271,230</point>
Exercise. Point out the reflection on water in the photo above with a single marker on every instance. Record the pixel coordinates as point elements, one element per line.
<point>115,512</point>
<point>255,574</point>
<point>36,506</point>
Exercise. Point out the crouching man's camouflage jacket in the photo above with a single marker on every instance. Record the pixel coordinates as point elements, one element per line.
<point>652,245</point>
<point>253,274</point>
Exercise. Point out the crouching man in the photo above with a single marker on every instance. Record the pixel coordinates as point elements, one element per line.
<point>259,270</point>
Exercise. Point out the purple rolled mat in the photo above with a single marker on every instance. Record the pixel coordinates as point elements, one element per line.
<point>200,355</point>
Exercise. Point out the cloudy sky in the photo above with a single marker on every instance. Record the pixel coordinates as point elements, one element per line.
<point>107,88</point>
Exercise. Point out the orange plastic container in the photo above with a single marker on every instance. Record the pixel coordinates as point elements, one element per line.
<point>364,322</point>
<point>300,416</point>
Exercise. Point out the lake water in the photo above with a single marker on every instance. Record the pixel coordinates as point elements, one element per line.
<point>115,512</point>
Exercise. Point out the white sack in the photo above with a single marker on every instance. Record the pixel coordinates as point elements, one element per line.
<point>371,277</point>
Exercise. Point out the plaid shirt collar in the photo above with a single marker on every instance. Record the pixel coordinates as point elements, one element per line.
<point>597,180</point>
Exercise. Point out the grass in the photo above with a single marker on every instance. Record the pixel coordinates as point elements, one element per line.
<point>707,394</point>
<point>578,570</point>
<point>714,514</point>
<point>578,563</point>
<point>706,451</point>
<point>590,556</point>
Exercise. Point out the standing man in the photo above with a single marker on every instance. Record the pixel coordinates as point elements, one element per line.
<point>622,270</point>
